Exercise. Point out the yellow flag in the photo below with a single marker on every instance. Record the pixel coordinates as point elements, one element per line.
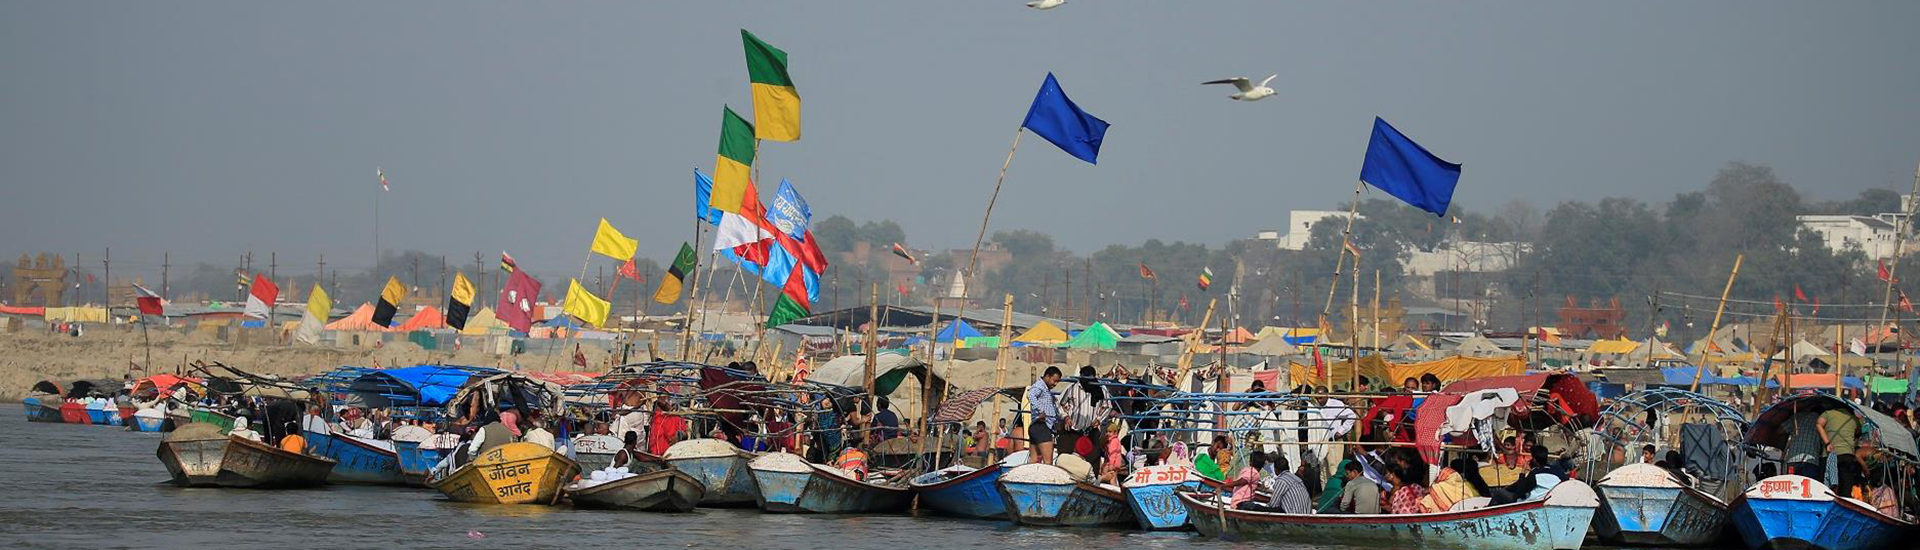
<point>610,243</point>
<point>319,304</point>
<point>583,304</point>
<point>462,289</point>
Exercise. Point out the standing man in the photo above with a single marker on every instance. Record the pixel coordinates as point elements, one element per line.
<point>1046,416</point>
<point>1838,431</point>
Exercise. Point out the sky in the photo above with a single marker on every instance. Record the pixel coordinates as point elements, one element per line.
<point>208,129</point>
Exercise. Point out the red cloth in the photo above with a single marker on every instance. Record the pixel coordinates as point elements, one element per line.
<point>1398,406</point>
<point>665,428</point>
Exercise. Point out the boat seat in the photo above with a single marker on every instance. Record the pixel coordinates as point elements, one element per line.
<point>1474,503</point>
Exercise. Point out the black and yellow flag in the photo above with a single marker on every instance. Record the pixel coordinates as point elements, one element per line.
<point>389,302</point>
<point>681,269</point>
<point>460,302</point>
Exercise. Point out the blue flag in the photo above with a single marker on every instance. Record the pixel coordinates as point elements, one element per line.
<point>789,212</point>
<point>702,190</point>
<point>1407,171</point>
<point>1057,119</point>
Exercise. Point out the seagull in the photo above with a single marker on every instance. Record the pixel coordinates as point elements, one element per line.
<point>1045,4</point>
<point>1248,91</point>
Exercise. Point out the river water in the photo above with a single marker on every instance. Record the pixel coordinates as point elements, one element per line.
<point>101,487</point>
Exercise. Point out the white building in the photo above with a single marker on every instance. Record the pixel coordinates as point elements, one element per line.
<point>1299,228</point>
<point>1465,257</point>
<point>1874,235</point>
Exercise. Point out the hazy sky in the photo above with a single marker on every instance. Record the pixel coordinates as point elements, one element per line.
<point>212,128</point>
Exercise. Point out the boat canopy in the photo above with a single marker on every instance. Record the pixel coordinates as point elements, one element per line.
<point>415,386</point>
<point>1886,432</point>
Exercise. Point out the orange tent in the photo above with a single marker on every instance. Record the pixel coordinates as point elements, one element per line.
<point>1238,336</point>
<point>361,319</point>
<point>428,317</point>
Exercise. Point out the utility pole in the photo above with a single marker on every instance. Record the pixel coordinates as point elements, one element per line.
<point>320,271</point>
<point>106,265</point>
<point>273,270</point>
<point>479,272</point>
<point>416,271</point>
<point>442,291</point>
<point>166,261</point>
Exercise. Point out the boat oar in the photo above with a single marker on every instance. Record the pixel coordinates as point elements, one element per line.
<point>1225,535</point>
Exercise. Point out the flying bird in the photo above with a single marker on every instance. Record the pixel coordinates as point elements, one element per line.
<point>1045,4</point>
<point>1248,91</point>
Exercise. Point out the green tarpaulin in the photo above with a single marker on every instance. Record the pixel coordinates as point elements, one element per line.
<point>1098,336</point>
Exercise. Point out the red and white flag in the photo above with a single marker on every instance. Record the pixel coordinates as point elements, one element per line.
<point>261,296</point>
<point>631,271</point>
<point>382,174</point>
<point>150,303</point>
<point>902,252</point>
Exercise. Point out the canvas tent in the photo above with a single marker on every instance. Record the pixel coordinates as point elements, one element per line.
<point>1043,333</point>
<point>959,328</point>
<point>361,319</point>
<point>1803,350</point>
<point>1479,346</point>
<point>888,371</point>
<point>1275,346</point>
<point>428,317</point>
<point>483,322</point>
<point>1098,336</point>
<point>1238,336</point>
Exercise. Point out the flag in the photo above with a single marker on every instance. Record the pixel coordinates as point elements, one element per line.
<point>390,297</point>
<point>1885,273</point>
<point>785,310</point>
<point>1183,301</point>
<point>1857,346</point>
<point>733,168</point>
<point>1406,170</point>
<point>261,296</point>
<point>1055,118</point>
<point>460,302</point>
<point>682,268</point>
<point>776,107</point>
<point>1146,273</point>
<point>516,301</point>
<point>579,358</point>
<point>382,174</point>
<point>1351,249</point>
<point>742,224</point>
<point>1778,304</point>
<point>583,304</point>
<point>506,262</point>
<point>608,242</point>
<point>150,303</point>
<point>1904,304</point>
<point>319,304</point>
<point>314,319</point>
<point>631,271</point>
<point>1319,366</point>
<point>900,288</point>
<point>702,197</point>
<point>1798,294</point>
<point>241,280</point>
<point>1206,278</point>
<point>789,212</point>
<point>902,252</point>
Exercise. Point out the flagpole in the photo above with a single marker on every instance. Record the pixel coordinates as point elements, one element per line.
<point>376,225</point>
<point>686,346</point>
<point>1346,238</point>
<point>974,258</point>
<point>1899,249</point>
<point>1711,331</point>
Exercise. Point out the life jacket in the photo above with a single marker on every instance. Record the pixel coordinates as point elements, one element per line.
<point>855,462</point>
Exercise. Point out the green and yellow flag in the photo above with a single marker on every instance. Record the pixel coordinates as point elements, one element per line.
<point>390,297</point>
<point>776,106</point>
<point>681,269</point>
<point>608,242</point>
<point>319,304</point>
<point>582,304</point>
<point>733,170</point>
<point>460,303</point>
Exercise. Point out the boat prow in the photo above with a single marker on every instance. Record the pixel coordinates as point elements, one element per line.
<point>39,410</point>
<point>1557,522</point>
<point>515,473</point>
<point>200,455</point>
<point>970,494</point>
<point>720,467</point>
<point>661,490</point>
<point>1044,494</point>
<point>1642,504</point>
<point>1150,494</point>
<point>788,483</point>
<point>1791,511</point>
<point>359,461</point>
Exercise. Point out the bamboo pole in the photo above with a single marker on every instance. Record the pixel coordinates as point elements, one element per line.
<point>1000,355</point>
<point>1346,237</point>
<point>1193,340</point>
<point>1711,331</point>
<point>693,295</point>
<point>1899,251</point>
<point>873,338</point>
<point>1839,369</point>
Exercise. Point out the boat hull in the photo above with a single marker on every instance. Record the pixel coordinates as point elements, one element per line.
<point>210,417</point>
<point>1659,516</point>
<point>1558,522</point>
<point>148,423</point>
<point>663,490</point>
<point>728,481</point>
<point>75,413</point>
<point>360,462</point>
<point>1064,505</point>
<point>975,494</point>
<point>239,463</point>
<point>416,463</point>
<point>103,417</point>
<point>40,412</point>
<point>822,492</point>
<point>195,462</point>
<point>1156,508</point>
<point>515,473</point>
<point>1797,512</point>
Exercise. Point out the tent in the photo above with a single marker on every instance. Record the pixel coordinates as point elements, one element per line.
<point>1406,342</point>
<point>1683,377</point>
<point>1044,333</point>
<point>561,320</point>
<point>1622,345</point>
<point>1479,346</point>
<point>482,323</point>
<point>1272,346</point>
<point>1098,336</point>
<point>958,327</point>
<point>361,319</point>
<point>1803,350</point>
<point>1238,336</point>
<point>850,371</point>
<point>428,317</point>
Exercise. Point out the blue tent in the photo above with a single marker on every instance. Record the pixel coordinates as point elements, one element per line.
<point>416,386</point>
<point>1683,376</point>
<point>562,320</point>
<point>945,336</point>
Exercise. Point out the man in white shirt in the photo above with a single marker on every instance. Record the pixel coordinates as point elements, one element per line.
<point>538,434</point>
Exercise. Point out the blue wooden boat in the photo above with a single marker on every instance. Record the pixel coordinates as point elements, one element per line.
<point>1150,494</point>
<point>415,462</point>
<point>723,472</point>
<point>1557,522</point>
<point>789,484</point>
<point>147,423</point>
<point>967,494</point>
<point>359,461</point>
<point>40,412</point>
<point>1044,494</point>
<point>1642,504</point>
<point>103,417</point>
<point>1791,511</point>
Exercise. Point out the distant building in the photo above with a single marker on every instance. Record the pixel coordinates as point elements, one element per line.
<point>1299,228</point>
<point>1874,235</point>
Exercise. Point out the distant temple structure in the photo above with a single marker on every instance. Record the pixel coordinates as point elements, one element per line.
<point>39,281</point>
<point>1597,320</point>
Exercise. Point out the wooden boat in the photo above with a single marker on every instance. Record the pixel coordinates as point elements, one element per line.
<point>723,472</point>
<point>515,473</point>
<point>1644,505</point>
<point>205,416</point>
<point>199,455</point>
<point>1557,522</point>
<point>360,461</point>
<point>968,494</point>
<point>1791,511</point>
<point>416,463</point>
<point>1150,494</point>
<point>41,411</point>
<point>1044,494</point>
<point>659,490</point>
<point>790,484</point>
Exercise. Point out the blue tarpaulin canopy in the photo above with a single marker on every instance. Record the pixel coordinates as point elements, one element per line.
<point>562,321</point>
<point>945,336</point>
<point>1683,376</point>
<point>416,386</point>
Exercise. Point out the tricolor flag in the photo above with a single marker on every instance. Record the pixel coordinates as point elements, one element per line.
<point>733,168</point>
<point>506,262</point>
<point>382,174</point>
<point>776,107</point>
<point>389,303</point>
<point>902,252</point>
<point>460,302</point>
<point>241,280</point>
<point>516,301</point>
<point>609,242</point>
<point>150,303</point>
<point>1206,278</point>
<point>261,296</point>
<point>582,304</point>
<point>682,268</point>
